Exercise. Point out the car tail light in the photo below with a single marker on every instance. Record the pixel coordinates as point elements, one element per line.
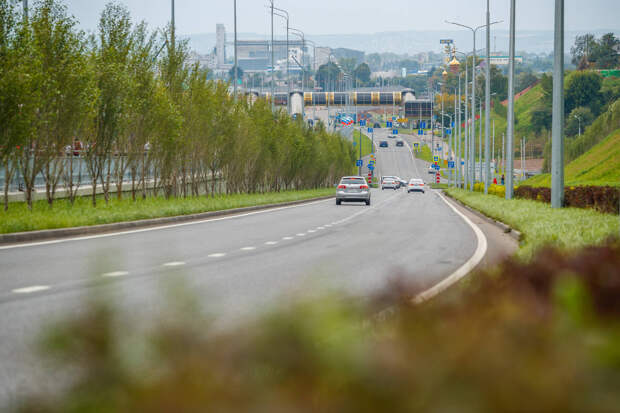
<point>342,187</point>
<point>363,186</point>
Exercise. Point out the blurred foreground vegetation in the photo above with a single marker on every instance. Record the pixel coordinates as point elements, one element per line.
<point>537,336</point>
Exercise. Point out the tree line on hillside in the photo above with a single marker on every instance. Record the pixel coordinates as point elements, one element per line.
<point>124,102</point>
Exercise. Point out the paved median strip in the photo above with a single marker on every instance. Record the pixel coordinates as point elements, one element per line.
<point>31,289</point>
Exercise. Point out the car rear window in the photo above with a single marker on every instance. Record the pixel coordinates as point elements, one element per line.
<point>353,181</point>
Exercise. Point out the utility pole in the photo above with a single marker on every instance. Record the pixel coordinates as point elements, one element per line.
<point>25,4</point>
<point>487,100</point>
<point>172,36</point>
<point>557,138</point>
<point>509,160</point>
<point>493,158</point>
<point>273,97</point>
<point>235,68</point>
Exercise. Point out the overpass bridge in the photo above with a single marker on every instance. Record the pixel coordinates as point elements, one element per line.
<point>296,101</point>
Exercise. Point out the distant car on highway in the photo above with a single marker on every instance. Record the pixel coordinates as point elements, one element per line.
<point>400,143</point>
<point>415,185</point>
<point>377,125</point>
<point>399,182</point>
<point>389,183</point>
<point>391,136</point>
<point>353,189</point>
<point>431,170</point>
<point>383,144</point>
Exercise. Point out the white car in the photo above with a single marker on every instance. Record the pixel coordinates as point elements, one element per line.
<point>399,182</point>
<point>389,183</point>
<point>415,185</point>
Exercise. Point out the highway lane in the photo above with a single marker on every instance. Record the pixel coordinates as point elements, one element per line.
<point>237,266</point>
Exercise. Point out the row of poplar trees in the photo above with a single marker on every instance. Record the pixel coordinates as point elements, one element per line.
<point>124,104</point>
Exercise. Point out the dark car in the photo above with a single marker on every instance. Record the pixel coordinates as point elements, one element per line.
<point>377,125</point>
<point>400,143</point>
<point>391,136</point>
<point>383,144</point>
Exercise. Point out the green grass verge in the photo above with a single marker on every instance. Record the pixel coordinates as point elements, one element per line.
<point>63,215</point>
<point>366,144</point>
<point>599,166</point>
<point>566,228</point>
<point>424,153</point>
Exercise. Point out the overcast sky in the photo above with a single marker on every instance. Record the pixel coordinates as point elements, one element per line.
<point>355,16</point>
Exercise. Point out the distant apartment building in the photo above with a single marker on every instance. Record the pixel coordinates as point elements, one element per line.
<point>220,45</point>
<point>321,56</point>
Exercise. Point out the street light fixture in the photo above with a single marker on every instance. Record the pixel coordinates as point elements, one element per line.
<point>579,120</point>
<point>474,30</point>
<point>288,74</point>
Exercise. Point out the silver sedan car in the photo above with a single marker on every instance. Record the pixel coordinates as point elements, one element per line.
<point>415,185</point>
<point>353,189</point>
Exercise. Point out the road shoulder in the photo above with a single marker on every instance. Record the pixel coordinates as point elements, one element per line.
<point>501,244</point>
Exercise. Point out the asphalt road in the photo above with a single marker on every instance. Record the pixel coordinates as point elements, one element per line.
<point>237,266</point>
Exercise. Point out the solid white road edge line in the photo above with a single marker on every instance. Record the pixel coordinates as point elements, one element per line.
<point>464,269</point>
<point>135,231</point>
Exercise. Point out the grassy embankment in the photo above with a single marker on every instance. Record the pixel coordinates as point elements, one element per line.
<point>599,166</point>
<point>567,228</point>
<point>366,144</point>
<point>63,215</point>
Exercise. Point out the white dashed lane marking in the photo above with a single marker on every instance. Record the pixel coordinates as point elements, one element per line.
<point>174,264</point>
<point>115,274</point>
<point>31,289</point>
<point>271,242</point>
<point>287,238</point>
<point>248,248</point>
<point>301,234</point>
<point>217,255</point>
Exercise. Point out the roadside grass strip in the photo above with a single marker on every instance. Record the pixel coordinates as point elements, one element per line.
<point>541,225</point>
<point>62,215</point>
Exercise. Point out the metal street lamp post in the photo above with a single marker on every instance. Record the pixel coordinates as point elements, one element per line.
<point>579,120</point>
<point>508,161</point>
<point>557,139</point>
<point>288,73</point>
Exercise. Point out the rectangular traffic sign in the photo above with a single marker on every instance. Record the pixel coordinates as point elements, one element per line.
<point>435,158</point>
<point>420,132</point>
<point>423,124</point>
<point>371,167</point>
<point>388,124</point>
<point>448,131</point>
<point>446,41</point>
<point>393,118</point>
<point>415,144</point>
<point>370,130</point>
<point>359,162</point>
<point>450,164</point>
<point>362,122</point>
<point>394,131</point>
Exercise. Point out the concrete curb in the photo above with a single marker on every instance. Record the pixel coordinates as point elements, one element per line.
<point>51,234</point>
<point>517,235</point>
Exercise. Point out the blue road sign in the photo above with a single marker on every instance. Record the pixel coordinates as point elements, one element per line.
<point>370,130</point>
<point>420,132</point>
<point>359,162</point>
<point>415,144</point>
<point>452,124</point>
<point>435,158</point>
<point>423,124</point>
<point>450,164</point>
<point>362,122</point>
<point>371,167</point>
<point>462,162</point>
<point>394,131</point>
<point>354,143</point>
<point>388,124</point>
<point>393,118</point>
<point>448,131</point>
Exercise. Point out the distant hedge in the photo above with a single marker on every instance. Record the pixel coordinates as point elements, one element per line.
<point>602,198</point>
